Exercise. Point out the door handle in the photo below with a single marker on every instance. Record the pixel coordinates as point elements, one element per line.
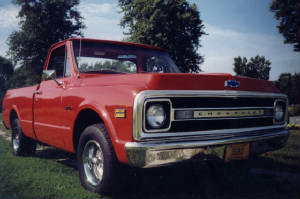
<point>38,92</point>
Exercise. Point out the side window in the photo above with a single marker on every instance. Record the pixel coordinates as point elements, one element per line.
<point>156,64</point>
<point>57,61</point>
<point>67,66</point>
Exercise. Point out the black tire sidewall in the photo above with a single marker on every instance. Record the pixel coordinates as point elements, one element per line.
<point>97,133</point>
<point>17,127</point>
<point>26,145</point>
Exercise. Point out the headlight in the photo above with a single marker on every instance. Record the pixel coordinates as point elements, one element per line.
<point>279,111</point>
<point>156,116</point>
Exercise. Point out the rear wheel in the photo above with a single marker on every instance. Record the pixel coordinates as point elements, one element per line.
<point>21,145</point>
<point>96,159</point>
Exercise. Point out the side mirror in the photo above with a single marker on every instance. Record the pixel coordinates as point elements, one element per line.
<point>50,75</point>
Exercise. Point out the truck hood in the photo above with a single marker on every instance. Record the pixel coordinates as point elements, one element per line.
<point>177,81</point>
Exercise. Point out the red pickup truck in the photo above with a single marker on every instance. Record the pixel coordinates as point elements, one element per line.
<point>116,102</point>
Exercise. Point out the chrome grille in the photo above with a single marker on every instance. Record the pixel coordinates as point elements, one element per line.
<point>226,112</point>
<point>214,113</point>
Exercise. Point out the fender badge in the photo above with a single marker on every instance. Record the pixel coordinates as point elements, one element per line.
<point>232,83</point>
<point>120,113</point>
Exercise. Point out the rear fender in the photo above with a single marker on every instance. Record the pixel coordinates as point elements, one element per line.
<point>15,109</point>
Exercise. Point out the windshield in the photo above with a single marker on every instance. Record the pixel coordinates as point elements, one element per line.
<point>96,57</point>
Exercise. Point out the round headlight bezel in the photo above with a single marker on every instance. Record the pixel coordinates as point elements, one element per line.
<point>165,104</point>
<point>279,111</point>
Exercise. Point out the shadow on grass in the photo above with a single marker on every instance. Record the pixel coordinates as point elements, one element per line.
<point>210,179</point>
<point>60,156</point>
<point>260,177</point>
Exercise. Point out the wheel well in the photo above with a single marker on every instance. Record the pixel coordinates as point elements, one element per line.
<point>13,114</point>
<point>84,119</point>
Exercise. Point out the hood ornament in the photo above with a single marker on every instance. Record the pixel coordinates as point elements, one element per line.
<point>232,83</point>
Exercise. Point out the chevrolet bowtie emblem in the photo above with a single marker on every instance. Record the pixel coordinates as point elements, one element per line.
<point>232,83</point>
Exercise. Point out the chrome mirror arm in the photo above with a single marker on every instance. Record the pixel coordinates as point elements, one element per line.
<point>58,82</point>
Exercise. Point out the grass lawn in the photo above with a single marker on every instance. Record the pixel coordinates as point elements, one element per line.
<point>1,125</point>
<point>52,174</point>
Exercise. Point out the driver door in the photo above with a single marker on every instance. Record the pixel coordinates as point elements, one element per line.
<point>48,109</point>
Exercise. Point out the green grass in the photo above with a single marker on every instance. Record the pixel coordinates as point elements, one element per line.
<point>37,177</point>
<point>1,125</point>
<point>52,174</point>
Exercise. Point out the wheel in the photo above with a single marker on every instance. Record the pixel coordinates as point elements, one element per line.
<point>21,145</point>
<point>96,158</point>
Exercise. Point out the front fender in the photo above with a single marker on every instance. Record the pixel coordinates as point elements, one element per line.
<point>106,116</point>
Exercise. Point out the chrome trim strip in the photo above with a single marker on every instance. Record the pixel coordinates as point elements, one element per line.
<point>138,133</point>
<point>155,136</point>
<point>223,118</point>
<point>223,108</point>
<point>208,93</point>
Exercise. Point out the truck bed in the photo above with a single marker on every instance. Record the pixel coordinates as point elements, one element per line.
<point>20,97</point>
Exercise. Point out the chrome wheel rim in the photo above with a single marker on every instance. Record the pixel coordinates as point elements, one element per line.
<point>93,162</point>
<point>15,140</point>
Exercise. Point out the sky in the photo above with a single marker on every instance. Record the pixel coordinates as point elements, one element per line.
<point>234,28</point>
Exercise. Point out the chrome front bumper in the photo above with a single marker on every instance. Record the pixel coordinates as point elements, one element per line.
<point>163,152</point>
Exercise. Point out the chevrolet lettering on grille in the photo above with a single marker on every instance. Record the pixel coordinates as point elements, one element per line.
<point>228,113</point>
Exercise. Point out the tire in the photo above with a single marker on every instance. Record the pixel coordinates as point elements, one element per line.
<point>96,160</point>
<point>21,145</point>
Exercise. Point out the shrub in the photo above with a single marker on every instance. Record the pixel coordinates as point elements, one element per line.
<point>294,110</point>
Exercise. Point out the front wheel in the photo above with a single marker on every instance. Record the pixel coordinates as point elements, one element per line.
<point>96,159</point>
<point>21,145</point>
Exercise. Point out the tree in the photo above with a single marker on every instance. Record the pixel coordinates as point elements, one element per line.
<point>287,12</point>
<point>174,25</point>
<point>258,67</point>
<point>289,84</point>
<point>6,71</point>
<point>42,23</point>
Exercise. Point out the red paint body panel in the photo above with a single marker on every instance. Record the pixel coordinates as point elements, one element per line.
<point>20,100</point>
<point>103,93</point>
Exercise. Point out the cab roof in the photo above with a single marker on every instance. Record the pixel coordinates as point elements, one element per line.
<point>110,42</point>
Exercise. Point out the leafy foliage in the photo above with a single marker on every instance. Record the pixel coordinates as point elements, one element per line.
<point>294,110</point>
<point>289,85</point>
<point>257,67</point>
<point>287,11</point>
<point>6,71</point>
<point>42,23</point>
<point>173,25</point>
<point>23,77</point>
